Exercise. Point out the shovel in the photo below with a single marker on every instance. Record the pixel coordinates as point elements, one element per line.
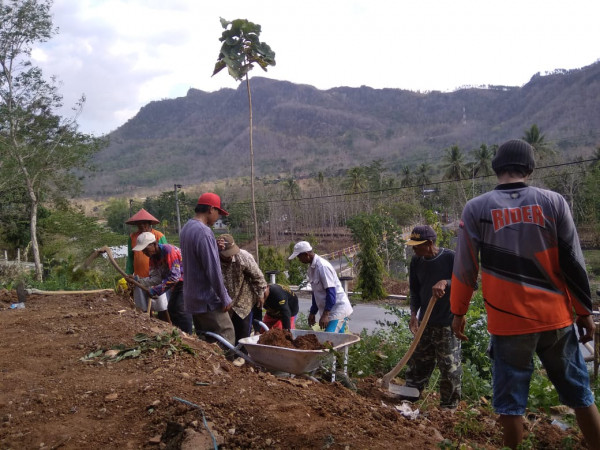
<point>406,391</point>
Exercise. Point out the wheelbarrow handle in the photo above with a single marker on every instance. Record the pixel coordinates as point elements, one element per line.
<point>227,344</point>
<point>261,324</point>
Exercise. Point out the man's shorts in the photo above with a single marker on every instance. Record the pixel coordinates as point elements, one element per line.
<point>140,298</point>
<point>337,325</point>
<point>512,366</point>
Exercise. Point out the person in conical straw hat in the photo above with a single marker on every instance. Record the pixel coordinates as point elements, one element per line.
<point>138,264</point>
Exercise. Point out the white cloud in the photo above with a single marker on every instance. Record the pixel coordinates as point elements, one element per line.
<point>125,53</point>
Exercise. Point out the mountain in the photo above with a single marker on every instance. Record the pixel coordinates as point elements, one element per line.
<point>301,130</point>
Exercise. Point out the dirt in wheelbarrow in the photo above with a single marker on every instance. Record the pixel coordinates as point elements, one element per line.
<point>282,338</point>
<point>89,371</point>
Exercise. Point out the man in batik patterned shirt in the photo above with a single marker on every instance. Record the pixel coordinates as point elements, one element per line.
<point>244,281</point>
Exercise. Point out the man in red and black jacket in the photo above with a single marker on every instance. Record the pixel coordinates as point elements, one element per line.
<point>534,281</point>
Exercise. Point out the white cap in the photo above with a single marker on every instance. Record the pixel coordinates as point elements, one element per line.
<point>143,241</point>
<point>300,247</point>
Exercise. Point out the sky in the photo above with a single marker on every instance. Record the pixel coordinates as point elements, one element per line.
<point>123,54</point>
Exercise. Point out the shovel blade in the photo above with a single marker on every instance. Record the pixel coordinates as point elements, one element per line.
<point>404,392</point>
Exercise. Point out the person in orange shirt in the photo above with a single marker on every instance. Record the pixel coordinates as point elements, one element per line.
<point>535,287</point>
<point>138,263</point>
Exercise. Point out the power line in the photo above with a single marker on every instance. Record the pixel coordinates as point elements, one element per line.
<point>400,188</point>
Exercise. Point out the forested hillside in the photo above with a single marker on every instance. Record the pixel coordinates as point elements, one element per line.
<point>300,130</point>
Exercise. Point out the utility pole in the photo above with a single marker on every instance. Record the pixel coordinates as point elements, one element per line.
<point>177,208</point>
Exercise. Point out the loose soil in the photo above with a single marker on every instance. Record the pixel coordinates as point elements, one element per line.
<point>61,389</point>
<point>283,338</point>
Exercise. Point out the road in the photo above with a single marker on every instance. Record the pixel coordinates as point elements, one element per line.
<point>364,316</point>
<point>367,316</point>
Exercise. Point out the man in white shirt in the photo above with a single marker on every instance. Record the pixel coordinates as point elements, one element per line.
<point>328,296</point>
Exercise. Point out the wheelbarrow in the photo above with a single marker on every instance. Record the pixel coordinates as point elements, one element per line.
<point>291,360</point>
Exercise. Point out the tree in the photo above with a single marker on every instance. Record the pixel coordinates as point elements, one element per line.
<point>356,180</point>
<point>292,189</point>
<point>483,161</point>
<point>374,173</point>
<point>422,176</point>
<point>14,218</point>
<point>368,229</point>
<point>241,49</point>
<point>407,177</point>
<point>537,140</point>
<point>454,164</point>
<point>41,146</point>
<point>481,165</point>
<point>116,213</point>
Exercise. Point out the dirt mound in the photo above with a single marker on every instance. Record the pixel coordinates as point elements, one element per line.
<point>88,371</point>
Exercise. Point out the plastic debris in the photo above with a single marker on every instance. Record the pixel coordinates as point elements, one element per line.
<point>406,411</point>
<point>563,426</point>
<point>20,305</point>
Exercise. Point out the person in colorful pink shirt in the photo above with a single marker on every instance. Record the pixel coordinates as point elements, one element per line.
<point>165,277</point>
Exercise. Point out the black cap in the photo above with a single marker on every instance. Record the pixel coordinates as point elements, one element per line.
<point>515,152</point>
<point>420,234</point>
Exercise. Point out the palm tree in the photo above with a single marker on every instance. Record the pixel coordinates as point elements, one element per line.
<point>241,49</point>
<point>483,161</point>
<point>423,175</point>
<point>454,164</point>
<point>292,189</point>
<point>537,140</point>
<point>356,180</point>
<point>407,177</point>
<point>321,179</point>
<point>374,173</point>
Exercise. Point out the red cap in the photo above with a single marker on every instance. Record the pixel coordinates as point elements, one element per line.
<point>213,200</point>
<point>142,216</point>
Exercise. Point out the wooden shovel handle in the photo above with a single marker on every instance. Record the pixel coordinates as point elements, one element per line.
<point>108,252</point>
<point>385,381</point>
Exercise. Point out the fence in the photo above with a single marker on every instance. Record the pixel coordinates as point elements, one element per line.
<point>23,265</point>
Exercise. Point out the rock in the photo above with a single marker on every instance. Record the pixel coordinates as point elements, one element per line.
<point>111,397</point>
<point>194,440</point>
<point>111,353</point>
<point>154,440</point>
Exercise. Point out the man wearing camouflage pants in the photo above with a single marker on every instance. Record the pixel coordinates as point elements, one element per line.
<point>429,275</point>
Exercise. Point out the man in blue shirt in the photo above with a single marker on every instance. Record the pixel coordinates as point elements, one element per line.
<point>205,295</point>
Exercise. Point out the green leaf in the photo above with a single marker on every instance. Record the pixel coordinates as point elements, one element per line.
<point>92,355</point>
<point>220,65</point>
<point>141,337</point>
